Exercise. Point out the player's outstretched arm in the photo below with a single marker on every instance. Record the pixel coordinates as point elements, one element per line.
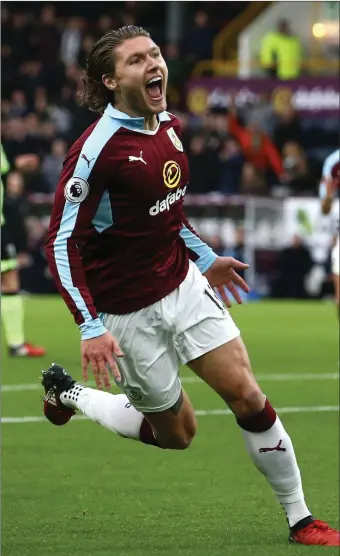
<point>326,195</point>
<point>76,203</point>
<point>329,181</point>
<point>222,275</point>
<point>199,252</point>
<point>99,353</point>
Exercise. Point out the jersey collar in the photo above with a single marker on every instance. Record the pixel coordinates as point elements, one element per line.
<point>136,123</point>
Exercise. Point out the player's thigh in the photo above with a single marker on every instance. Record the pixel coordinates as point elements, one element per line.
<point>227,370</point>
<point>209,342</point>
<point>149,368</point>
<point>175,427</point>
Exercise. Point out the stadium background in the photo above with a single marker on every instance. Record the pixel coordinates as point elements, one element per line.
<point>258,203</point>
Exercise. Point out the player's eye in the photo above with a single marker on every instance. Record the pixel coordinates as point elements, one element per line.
<point>156,54</point>
<point>134,61</point>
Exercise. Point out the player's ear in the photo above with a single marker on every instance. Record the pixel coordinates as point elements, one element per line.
<point>109,82</point>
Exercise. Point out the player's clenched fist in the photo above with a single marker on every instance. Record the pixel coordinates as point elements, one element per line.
<point>100,353</point>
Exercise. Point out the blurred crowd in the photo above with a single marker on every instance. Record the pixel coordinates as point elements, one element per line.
<point>236,152</point>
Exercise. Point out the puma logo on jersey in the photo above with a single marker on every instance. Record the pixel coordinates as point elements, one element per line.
<point>166,203</point>
<point>87,160</point>
<point>136,158</point>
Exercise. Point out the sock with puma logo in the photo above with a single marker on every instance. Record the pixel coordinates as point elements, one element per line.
<point>271,450</point>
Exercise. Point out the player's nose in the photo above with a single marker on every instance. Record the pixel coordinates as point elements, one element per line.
<point>153,65</point>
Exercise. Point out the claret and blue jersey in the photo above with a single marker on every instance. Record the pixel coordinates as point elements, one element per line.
<point>118,239</point>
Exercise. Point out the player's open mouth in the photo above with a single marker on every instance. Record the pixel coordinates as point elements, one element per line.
<point>154,88</point>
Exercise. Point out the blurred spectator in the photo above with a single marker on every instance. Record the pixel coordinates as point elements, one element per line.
<point>40,104</point>
<point>47,38</point>
<point>6,27</point>
<point>31,76</point>
<point>127,18</point>
<point>281,52</point>
<point>15,209</point>
<point>15,140</point>
<point>33,127</point>
<point>73,75</point>
<point>295,263</point>
<point>253,181</point>
<point>287,127</point>
<point>203,166</point>
<point>88,42</point>
<point>231,166</point>
<point>14,185</point>
<point>53,163</point>
<point>197,44</point>
<point>29,166</point>
<point>215,128</point>
<point>18,104</point>
<point>257,148</point>
<point>238,250</point>
<point>177,66</point>
<point>21,38</point>
<point>71,41</point>
<point>295,169</point>
<point>260,113</point>
<point>104,25</point>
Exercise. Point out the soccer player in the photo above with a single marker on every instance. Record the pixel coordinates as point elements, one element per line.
<point>12,307</point>
<point>139,281</point>
<point>329,189</point>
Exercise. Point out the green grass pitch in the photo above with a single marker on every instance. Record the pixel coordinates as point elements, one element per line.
<point>80,490</point>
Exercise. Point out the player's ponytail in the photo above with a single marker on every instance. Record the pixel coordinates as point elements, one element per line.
<point>100,61</point>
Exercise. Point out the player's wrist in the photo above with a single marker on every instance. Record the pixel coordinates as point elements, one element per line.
<point>92,329</point>
<point>207,261</point>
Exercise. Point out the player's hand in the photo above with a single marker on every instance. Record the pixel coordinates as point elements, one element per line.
<point>222,276</point>
<point>100,352</point>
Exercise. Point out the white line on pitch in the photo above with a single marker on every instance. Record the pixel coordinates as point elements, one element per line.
<point>199,413</point>
<point>194,379</point>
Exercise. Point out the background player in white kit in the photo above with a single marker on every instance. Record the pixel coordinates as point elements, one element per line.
<point>188,323</point>
<point>328,192</point>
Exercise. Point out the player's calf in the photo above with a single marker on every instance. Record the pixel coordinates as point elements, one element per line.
<point>175,428</point>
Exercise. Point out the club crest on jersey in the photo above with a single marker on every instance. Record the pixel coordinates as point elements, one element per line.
<point>174,139</point>
<point>171,174</point>
<point>76,190</point>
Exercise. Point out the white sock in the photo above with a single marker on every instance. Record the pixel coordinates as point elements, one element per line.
<point>279,467</point>
<point>113,411</point>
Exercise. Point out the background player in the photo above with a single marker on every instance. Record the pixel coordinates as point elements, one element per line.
<point>12,307</point>
<point>329,190</point>
<point>119,244</point>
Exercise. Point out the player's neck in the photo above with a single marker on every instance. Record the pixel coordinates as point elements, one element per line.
<point>150,122</point>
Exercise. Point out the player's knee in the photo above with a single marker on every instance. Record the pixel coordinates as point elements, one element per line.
<point>178,441</point>
<point>250,401</point>
<point>182,439</point>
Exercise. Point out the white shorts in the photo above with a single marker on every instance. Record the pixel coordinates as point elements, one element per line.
<point>186,324</point>
<point>335,258</point>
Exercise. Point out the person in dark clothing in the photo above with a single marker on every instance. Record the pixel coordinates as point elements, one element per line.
<point>204,166</point>
<point>231,165</point>
<point>197,44</point>
<point>294,265</point>
<point>287,128</point>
